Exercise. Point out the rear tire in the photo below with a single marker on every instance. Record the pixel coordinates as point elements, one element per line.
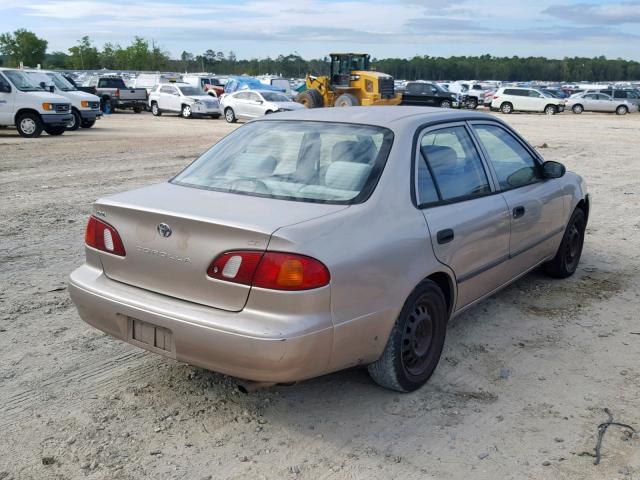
<point>29,125</point>
<point>155,110</point>
<point>137,109</point>
<point>346,100</point>
<point>230,115</point>
<point>77,120</point>
<point>55,131</point>
<point>311,98</point>
<point>415,343</point>
<point>506,108</point>
<point>622,110</point>
<point>577,109</point>
<point>567,258</point>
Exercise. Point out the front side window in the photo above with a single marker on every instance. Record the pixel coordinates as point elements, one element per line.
<point>22,81</point>
<point>61,82</point>
<point>453,167</point>
<point>274,97</point>
<point>514,165</point>
<point>321,162</point>
<point>533,93</point>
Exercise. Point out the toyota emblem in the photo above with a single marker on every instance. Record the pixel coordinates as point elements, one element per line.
<point>164,230</point>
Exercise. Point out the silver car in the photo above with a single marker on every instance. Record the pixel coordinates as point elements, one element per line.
<point>255,103</point>
<point>184,99</point>
<point>312,241</point>
<point>599,102</point>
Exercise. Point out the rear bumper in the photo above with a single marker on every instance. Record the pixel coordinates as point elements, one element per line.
<point>258,349</point>
<point>56,119</point>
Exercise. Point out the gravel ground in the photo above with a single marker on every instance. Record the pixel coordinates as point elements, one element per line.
<point>519,393</point>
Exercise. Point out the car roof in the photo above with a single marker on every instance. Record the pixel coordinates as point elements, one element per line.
<point>383,116</point>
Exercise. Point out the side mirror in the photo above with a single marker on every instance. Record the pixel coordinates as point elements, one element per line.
<point>259,102</point>
<point>52,88</point>
<point>552,169</point>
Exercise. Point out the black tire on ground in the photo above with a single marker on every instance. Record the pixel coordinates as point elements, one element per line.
<point>103,104</point>
<point>445,104</point>
<point>88,123</point>
<point>230,115</point>
<point>137,108</point>
<point>311,98</point>
<point>622,110</point>
<point>77,120</point>
<point>506,108</point>
<point>577,109</point>
<point>29,125</point>
<point>550,110</point>
<point>472,103</point>
<point>55,131</point>
<point>186,111</point>
<point>415,342</point>
<point>155,110</point>
<point>567,258</point>
<point>346,100</point>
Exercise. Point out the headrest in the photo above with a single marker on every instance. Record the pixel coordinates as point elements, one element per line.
<point>253,165</point>
<point>353,151</point>
<point>347,175</point>
<point>439,156</point>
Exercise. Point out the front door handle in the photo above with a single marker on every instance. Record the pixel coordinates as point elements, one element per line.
<point>518,212</point>
<point>444,236</point>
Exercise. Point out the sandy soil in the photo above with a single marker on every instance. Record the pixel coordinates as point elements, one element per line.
<point>518,395</point>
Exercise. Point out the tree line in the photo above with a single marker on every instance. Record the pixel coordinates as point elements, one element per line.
<point>26,47</point>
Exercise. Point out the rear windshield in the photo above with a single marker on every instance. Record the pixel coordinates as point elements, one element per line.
<point>320,162</point>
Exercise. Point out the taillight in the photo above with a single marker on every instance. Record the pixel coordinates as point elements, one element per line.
<point>117,94</point>
<point>104,237</point>
<point>271,270</point>
<point>495,97</point>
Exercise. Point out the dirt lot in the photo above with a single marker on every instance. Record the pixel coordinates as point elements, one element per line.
<point>519,393</point>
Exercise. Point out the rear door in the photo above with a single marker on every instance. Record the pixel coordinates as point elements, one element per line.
<point>468,221</point>
<point>536,206</point>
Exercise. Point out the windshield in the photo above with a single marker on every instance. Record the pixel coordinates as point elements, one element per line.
<point>22,81</point>
<point>187,91</point>
<point>274,97</point>
<point>61,82</point>
<point>292,160</point>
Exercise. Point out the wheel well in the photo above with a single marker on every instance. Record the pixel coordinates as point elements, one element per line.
<point>25,110</point>
<point>505,103</point>
<point>446,285</point>
<point>577,105</point>
<point>551,105</point>
<point>622,105</point>
<point>584,206</point>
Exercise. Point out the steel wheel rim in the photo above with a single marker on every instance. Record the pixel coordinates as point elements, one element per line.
<point>28,126</point>
<point>418,338</point>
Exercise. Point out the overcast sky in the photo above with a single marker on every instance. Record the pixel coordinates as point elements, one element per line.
<point>384,28</point>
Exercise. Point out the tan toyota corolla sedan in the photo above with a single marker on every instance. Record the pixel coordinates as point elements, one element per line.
<point>312,241</point>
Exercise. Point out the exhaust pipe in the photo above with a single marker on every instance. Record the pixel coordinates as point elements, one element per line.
<point>247,386</point>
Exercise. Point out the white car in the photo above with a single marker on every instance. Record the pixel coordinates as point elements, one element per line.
<point>31,109</point>
<point>85,107</point>
<point>255,103</point>
<point>185,99</point>
<point>521,99</point>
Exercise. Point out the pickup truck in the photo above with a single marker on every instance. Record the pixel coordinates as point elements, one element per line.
<point>114,92</point>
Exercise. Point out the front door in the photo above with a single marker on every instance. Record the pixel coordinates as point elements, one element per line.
<point>468,221</point>
<point>6,101</point>
<point>536,206</point>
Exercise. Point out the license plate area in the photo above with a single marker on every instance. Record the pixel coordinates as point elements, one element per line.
<point>150,337</point>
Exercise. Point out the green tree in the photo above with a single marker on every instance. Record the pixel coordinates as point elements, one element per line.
<point>23,46</point>
<point>84,56</point>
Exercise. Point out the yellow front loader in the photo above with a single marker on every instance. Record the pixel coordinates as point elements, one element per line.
<point>350,83</point>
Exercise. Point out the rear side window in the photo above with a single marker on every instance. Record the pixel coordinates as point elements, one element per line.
<point>453,167</point>
<point>514,165</point>
<point>414,88</point>
<point>516,92</point>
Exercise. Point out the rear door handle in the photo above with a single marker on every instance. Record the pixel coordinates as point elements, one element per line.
<point>518,212</point>
<point>444,236</point>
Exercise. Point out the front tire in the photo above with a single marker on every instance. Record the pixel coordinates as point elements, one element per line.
<point>76,122</point>
<point>415,342</point>
<point>186,111</point>
<point>88,123</point>
<point>230,115</point>
<point>622,110</point>
<point>577,109</point>
<point>567,258</point>
<point>346,100</point>
<point>29,125</point>
<point>472,103</point>
<point>550,110</point>
<point>445,104</point>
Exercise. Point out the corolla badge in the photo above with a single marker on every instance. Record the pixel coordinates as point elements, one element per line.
<point>164,230</point>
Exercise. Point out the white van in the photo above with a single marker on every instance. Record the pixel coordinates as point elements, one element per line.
<point>31,109</point>
<point>85,107</point>
<point>521,99</point>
